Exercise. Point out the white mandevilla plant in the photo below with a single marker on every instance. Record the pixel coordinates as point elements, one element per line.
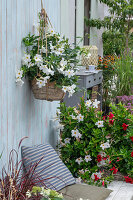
<point>49,58</point>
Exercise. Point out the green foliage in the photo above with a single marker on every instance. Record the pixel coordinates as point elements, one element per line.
<point>43,194</point>
<point>119,23</point>
<point>124,76</point>
<point>107,65</point>
<point>74,147</point>
<point>121,139</point>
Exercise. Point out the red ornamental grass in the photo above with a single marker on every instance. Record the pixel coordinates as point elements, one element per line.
<point>115,170</point>
<point>125,126</point>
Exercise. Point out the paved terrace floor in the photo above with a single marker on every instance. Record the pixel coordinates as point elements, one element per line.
<point>121,191</point>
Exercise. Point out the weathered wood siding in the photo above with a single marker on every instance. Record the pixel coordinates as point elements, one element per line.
<point>20,114</point>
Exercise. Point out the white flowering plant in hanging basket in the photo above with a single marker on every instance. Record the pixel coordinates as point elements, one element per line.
<point>49,58</point>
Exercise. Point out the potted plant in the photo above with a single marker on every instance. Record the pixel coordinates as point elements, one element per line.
<point>49,63</point>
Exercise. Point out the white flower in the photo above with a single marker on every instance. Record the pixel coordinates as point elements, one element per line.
<point>89,55</point>
<point>69,73</point>
<point>61,70</point>
<point>52,48</point>
<point>45,192</point>
<point>30,64</point>
<point>88,103</point>
<point>50,31</point>
<point>99,124</point>
<point>78,180</point>
<point>70,90</point>
<point>43,49</point>
<point>28,194</point>
<point>86,170</point>
<point>61,50</point>
<point>80,118</point>
<point>79,160</point>
<point>103,154</point>
<point>44,68</point>
<point>75,133</point>
<point>101,163</point>
<point>96,103</point>
<point>19,73</point>
<point>38,59</point>
<point>63,62</point>
<point>40,83</point>
<point>19,82</point>
<point>81,171</point>
<point>64,88</point>
<point>96,173</point>
<point>26,59</point>
<point>88,158</point>
<point>76,111</point>
<point>67,141</point>
<point>105,145</point>
<point>73,117</point>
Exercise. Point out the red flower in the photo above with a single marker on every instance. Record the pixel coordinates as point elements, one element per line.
<point>104,117</point>
<point>99,158</point>
<point>132,154</point>
<point>111,121</point>
<point>128,179</point>
<point>131,138</point>
<point>114,170</point>
<point>96,177</point>
<point>124,126</point>
<point>111,116</point>
<point>103,183</point>
<point>118,159</point>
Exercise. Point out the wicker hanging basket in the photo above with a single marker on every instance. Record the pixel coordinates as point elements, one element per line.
<point>49,92</point>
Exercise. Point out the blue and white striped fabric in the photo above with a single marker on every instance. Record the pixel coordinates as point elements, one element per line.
<point>50,169</point>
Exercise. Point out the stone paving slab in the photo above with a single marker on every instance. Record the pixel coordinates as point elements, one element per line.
<point>121,191</point>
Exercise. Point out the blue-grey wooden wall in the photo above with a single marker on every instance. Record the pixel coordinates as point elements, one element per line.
<point>20,114</point>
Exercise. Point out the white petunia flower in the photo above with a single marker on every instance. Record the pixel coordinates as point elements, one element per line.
<point>88,158</point>
<point>105,145</point>
<point>19,82</point>
<point>76,111</point>
<point>96,103</point>
<point>26,59</point>
<point>19,73</point>
<point>79,160</point>
<point>80,118</point>
<point>75,133</point>
<point>67,140</point>
<point>99,124</point>
<point>63,62</point>
<point>88,103</point>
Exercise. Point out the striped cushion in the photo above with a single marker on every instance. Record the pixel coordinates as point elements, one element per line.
<point>50,168</point>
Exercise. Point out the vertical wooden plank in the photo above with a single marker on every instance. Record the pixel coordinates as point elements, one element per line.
<point>21,114</point>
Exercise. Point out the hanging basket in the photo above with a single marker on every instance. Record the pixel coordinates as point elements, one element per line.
<point>49,92</point>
